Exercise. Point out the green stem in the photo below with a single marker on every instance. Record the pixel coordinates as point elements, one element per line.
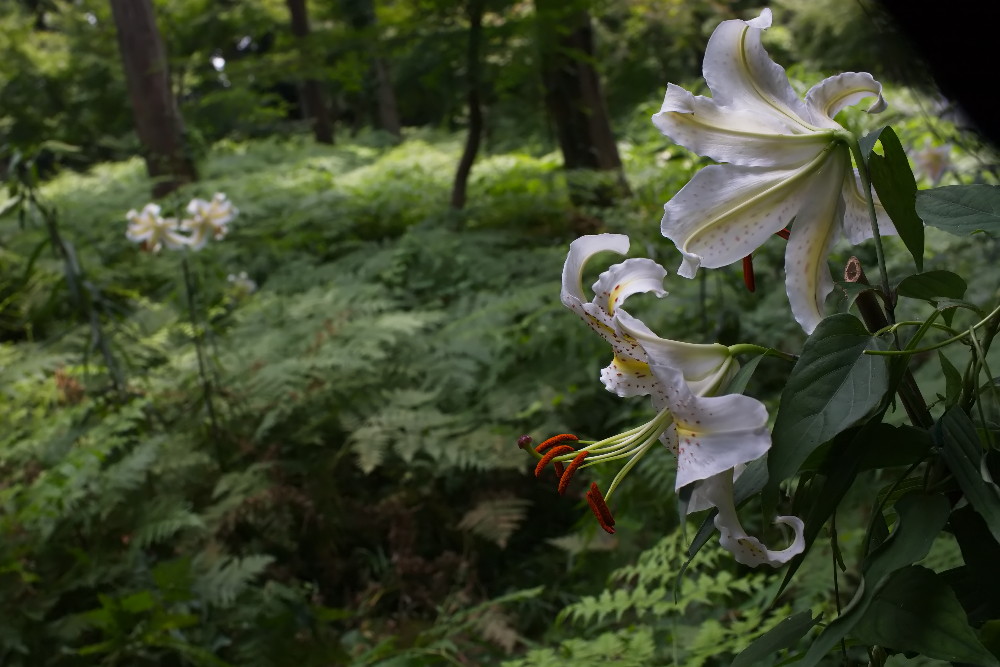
<point>206,384</point>
<point>750,348</point>
<point>866,188</point>
<point>931,348</point>
<point>989,379</point>
<point>912,323</point>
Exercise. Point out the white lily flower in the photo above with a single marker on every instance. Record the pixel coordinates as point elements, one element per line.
<point>785,158</point>
<point>706,367</point>
<point>152,230</point>
<point>210,219</point>
<point>712,436</point>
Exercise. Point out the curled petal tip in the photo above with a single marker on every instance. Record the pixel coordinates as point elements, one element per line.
<point>763,21</point>
<point>689,267</point>
<point>878,106</point>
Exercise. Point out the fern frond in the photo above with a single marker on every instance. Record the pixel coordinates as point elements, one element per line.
<point>221,582</point>
<point>496,519</point>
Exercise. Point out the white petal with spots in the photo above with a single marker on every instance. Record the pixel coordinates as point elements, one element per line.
<point>746,549</point>
<point>711,434</point>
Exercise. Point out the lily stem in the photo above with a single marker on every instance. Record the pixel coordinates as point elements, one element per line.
<point>866,187</point>
<point>876,320</point>
<point>206,383</point>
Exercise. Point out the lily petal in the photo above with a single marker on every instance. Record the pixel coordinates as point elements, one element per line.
<point>828,97</point>
<point>746,549</point>
<point>711,434</point>
<point>741,75</point>
<point>857,223</point>
<point>726,212</point>
<point>581,250</point>
<point>746,137</point>
<point>628,373</point>
<point>807,274</point>
<point>620,281</point>
<point>704,367</point>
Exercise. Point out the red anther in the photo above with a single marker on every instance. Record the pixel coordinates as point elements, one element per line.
<point>784,233</point>
<point>562,437</point>
<point>570,469</point>
<point>748,277</point>
<point>552,453</point>
<point>558,468</point>
<point>600,509</point>
<point>524,441</point>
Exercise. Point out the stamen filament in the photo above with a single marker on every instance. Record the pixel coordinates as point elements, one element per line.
<point>748,278</point>
<point>628,466</point>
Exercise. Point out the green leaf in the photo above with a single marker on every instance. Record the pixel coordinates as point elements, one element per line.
<point>890,446</point>
<point>952,379</point>
<point>975,582</point>
<point>832,386</point>
<point>742,377</point>
<point>784,635</point>
<point>962,451</point>
<point>920,519</point>
<point>961,209</point>
<point>932,286</point>
<point>915,610</point>
<point>893,181</point>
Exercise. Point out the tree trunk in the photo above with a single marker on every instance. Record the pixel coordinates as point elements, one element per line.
<point>154,109</point>
<point>574,99</point>
<point>310,91</point>
<point>475,12</point>
<point>385,99</point>
<point>378,83</point>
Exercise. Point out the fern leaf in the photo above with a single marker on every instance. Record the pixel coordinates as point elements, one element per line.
<point>496,519</point>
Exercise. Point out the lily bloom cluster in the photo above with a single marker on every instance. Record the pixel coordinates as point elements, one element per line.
<point>712,436</point>
<point>208,219</point>
<point>785,169</point>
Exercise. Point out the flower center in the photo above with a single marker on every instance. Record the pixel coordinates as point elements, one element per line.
<point>568,454</point>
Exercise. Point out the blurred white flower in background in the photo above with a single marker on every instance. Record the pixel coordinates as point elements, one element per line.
<point>932,162</point>
<point>209,219</point>
<point>242,284</point>
<point>148,228</point>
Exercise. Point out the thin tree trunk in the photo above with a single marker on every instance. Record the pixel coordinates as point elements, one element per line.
<point>574,98</point>
<point>475,12</point>
<point>310,91</point>
<point>154,108</point>
<point>385,98</point>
